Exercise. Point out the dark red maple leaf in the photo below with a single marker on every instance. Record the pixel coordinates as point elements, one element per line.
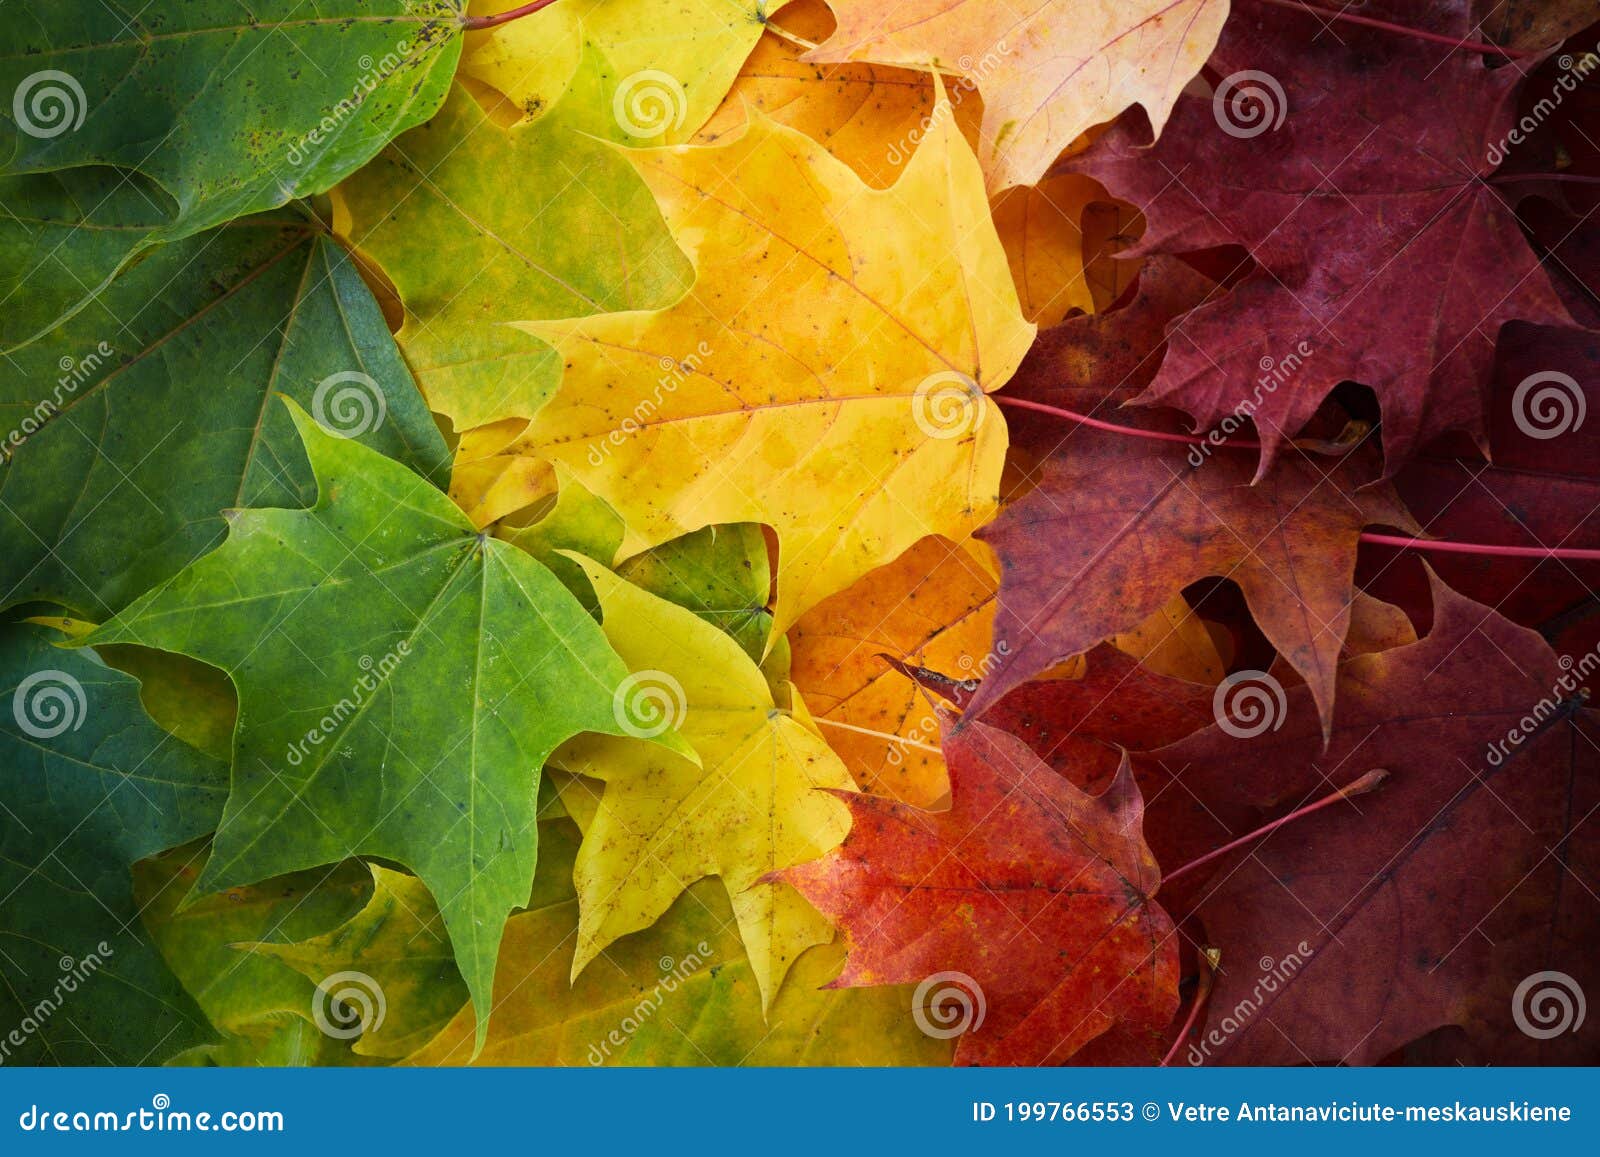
<point>1542,491</point>
<point>1030,895</point>
<point>1112,531</point>
<point>1347,934</point>
<point>1384,256</point>
<point>1078,726</point>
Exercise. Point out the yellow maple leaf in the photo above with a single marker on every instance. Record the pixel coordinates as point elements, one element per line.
<point>751,807</point>
<point>1049,70</point>
<point>826,373</point>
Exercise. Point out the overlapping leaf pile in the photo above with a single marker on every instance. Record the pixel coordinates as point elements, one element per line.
<point>623,532</point>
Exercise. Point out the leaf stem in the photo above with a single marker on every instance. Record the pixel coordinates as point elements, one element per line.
<point>1112,427</point>
<point>1569,178</point>
<point>1400,29</point>
<point>877,734</point>
<point>1365,784</point>
<point>474,23</point>
<point>1442,546</point>
<point>1209,958</point>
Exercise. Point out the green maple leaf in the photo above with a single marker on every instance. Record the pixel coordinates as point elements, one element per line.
<point>126,432</point>
<point>478,225</point>
<point>223,110</point>
<point>88,785</point>
<point>401,679</point>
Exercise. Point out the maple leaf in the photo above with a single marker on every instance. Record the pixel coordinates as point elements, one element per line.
<point>680,992</point>
<point>1107,537</point>
<point>869,116</point>
<point>396,949</point>
<point>478,225</point>
<point>121,452</point>
<point>452,664</point>
<point>1366,144</point>
<point>1530,24</point>
<point>260,1007</point>
<point>221,112</point>
<point>1037,894</point>
<point>1048,72</point>
<point>63,237</point>
<point>748,807</point>
<point>804,382</point>
<point>1081,725</point>
<point>1115,525</point>
<point>90,784</point>
<point>1445,879</point>
<point>676,60</point>
<point>1540,493</point>
<point>720,573</point>
<point>934,606</point>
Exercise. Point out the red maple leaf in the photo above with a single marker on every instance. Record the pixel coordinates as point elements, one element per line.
<point>1422,906</point>
<point>1029,895</point>
<point>1351,167</point>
